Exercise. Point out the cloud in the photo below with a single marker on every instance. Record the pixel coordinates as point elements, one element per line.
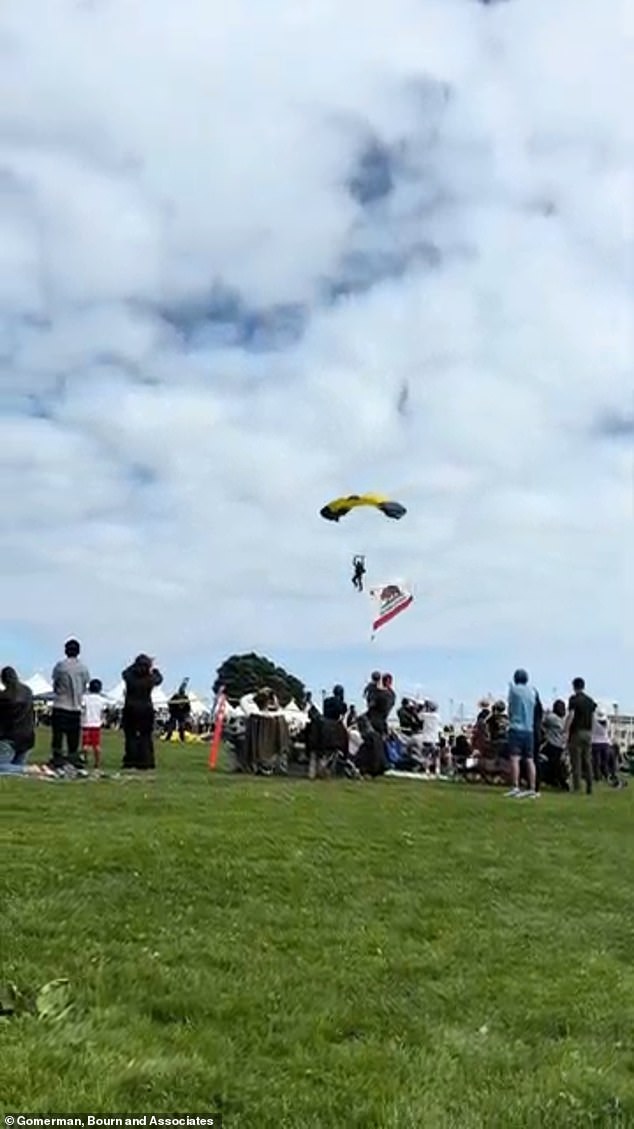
<point>252,260</point>
<point>615,425</point>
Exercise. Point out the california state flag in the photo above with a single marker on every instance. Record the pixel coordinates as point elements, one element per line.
<point>390,600</point>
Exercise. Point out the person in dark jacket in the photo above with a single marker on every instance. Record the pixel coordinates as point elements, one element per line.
<point>578,725</point>
<point>380,704</point>
<point>372,686</point>
<point>138,713</point>
<point>335,708</point>
<point>180,710</point>
<point>17,718</point>
<point>409,718</point>
<point>370,758</point>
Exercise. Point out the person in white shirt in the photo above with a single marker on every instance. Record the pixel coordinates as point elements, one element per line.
<point>430,718</point>
<point>600,744</point>
<point>92,707</point>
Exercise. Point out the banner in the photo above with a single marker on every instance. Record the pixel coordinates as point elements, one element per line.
<point>391,600</point>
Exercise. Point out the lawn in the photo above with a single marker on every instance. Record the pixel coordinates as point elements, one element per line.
<point>393,954</point>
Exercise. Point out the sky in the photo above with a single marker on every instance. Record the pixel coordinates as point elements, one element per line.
<point>255,257</point>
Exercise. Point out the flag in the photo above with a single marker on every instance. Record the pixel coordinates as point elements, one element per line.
<point>391,600</point>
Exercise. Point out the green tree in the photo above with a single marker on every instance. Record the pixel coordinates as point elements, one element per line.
<point>244,674</point>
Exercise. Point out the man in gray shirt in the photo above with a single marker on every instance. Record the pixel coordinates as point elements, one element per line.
<point>70,681</point>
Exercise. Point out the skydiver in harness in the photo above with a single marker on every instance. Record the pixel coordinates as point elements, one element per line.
<point>358,564</point>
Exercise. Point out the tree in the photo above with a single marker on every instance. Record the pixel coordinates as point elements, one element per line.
<point>244,674</point>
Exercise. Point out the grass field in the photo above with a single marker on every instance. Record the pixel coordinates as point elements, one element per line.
<point>387,954</point>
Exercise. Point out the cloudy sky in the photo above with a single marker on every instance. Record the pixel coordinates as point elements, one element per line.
<point>255,256</point>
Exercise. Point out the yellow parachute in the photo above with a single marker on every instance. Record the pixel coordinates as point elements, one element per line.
<point>338,508</point>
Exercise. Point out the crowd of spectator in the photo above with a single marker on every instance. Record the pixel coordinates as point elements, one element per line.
<point>516,741</point>
<point>77,715</point>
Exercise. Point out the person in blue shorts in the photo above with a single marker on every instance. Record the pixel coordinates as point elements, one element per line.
<point>522,703</point>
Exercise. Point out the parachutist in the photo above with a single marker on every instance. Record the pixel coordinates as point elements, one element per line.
<point>358,564</point>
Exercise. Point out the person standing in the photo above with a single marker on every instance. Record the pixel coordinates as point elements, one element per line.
<point>140,680</point>
<point>554,746</point>
<point>581,708</point>
<point>93,709</point>
<point>600,745</point>
<point>70,680</point>
<point>380,704</point>
<point>372,686</point>
<point>522,703</point>
<point>180,709</point>
<point>335,708</point>
<point>538,717</point>
<point>17,722</point>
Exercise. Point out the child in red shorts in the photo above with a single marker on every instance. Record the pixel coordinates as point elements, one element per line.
<point>93,705</point>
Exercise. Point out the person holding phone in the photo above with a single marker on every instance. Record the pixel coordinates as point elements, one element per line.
<point>140,679</point>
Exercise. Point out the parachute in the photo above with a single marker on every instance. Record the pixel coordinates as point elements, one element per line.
<point>339,507</point>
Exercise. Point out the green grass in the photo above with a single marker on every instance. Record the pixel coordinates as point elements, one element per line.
<point>392,955</point>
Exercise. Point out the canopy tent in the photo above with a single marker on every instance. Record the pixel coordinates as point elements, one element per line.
<point>234,711</point>
<point>39,686</point>
<point>293,708</point>
<point>116,696</point>
<point>292,712</point>
<point>198,705</point>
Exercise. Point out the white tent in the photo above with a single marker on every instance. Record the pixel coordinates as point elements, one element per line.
<point>38,685</point>
<point>233,711</point>
<point>198,705</point>
<point>117,695</point>
<point>292,712</point>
